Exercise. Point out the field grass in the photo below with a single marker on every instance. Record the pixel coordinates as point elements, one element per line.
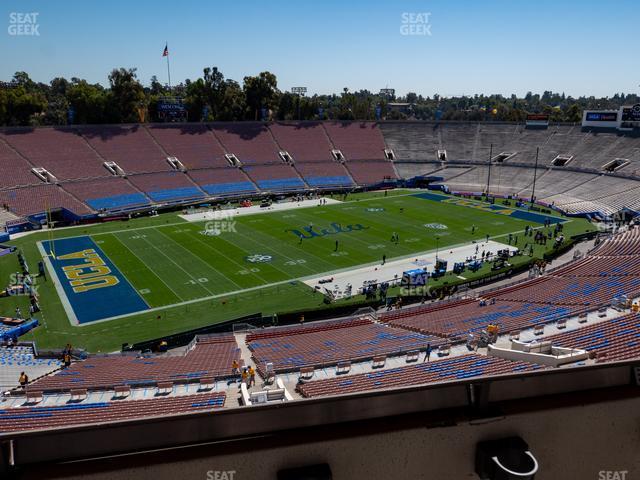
<point>196,280</point>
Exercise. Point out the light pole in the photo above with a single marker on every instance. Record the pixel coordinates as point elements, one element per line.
<point>535,175</point>
<point>437,246</point>
<point>489,174</point>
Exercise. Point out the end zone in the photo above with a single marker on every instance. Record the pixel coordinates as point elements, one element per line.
<point>90,286</point>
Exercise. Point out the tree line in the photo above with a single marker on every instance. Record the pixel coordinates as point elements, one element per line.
<point>212,97</point>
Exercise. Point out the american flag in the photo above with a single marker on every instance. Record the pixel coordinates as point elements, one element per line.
<point>165,52</point>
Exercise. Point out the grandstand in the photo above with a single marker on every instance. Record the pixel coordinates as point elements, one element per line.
<point>286,157</point>
<point>132,148</point>
<point>584,304</point>
<point>205,358</point>
<point>462,367</point>
<point>326,344</point>
<point>370,353</point>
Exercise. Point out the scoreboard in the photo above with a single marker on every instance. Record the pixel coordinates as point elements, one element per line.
<point>627,117</point>
<point>601,117</point>
<point>537,120</point>
<point>171,109</point>
<point>631,114</point>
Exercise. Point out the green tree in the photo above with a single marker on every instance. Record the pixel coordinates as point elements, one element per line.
<point>88,101</point>
<point>260,92</point>
<point>127,95</point>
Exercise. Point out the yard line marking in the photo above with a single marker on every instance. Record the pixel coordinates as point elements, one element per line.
<point>277,252</point>
<point>274,284</point>
<point>218,252</point>
<point>148,267</point>
<point>306,252</point>
<point>176,264</point>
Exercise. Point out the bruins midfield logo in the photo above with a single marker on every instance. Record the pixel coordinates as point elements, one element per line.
<point>436,226</point>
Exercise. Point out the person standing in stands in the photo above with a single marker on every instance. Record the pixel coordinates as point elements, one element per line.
<point>244,377</point>
<point>427,354</point>
<point>24,380</point>
<point>235,367</point>
<point>252,376</point>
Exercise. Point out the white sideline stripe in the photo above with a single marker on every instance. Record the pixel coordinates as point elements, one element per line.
<point>73,319</point>
<point>148,268</point>
<point>189,302</point>
<point>302,279</point>
<point>253,210</point>
<point>392,270</point>
<point>305,279</point>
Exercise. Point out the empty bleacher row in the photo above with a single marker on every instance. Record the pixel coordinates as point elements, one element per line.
<point>76,155</point>
<point>63,152</point>
<point>209,357</point>
<point>590,292</point>
<point>23,356</point>
<point>326,344</point>
<point>598,266</point>
<point>579,189</point>
<point>113,168</point>
<point>37,199</point>
<point>614,339</point>
<point>582,286</point>
<point>623,244</point>
<point>571,191</point>
<point>456,368</point>
<point>31,417</point>
<point>107,193</point>
<point>420,141</point>
<point>454,321</point>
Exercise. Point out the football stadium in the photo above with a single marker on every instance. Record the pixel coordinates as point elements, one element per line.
<point>247,280</point>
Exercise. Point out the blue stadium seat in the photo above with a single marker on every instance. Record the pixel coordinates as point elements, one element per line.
<point>118,201</point>
<point>281,184</point>
<point>229,188</point>
<point>175,194</point>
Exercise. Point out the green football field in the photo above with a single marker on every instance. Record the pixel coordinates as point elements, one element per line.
<point>254,264</point>
<point>176,263</point>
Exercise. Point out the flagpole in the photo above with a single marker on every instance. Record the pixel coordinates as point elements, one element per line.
<point>168,69</point>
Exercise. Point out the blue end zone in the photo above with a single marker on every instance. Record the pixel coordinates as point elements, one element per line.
<point>94,287</point>
<point>280,184</point>
<point>511,212</point>
<point>228,188</point>
<point>118,201</point>
<point>328,181</point>
<point>175,194</point>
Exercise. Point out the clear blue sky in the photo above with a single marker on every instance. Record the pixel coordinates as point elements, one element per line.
<point>476,46</point>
